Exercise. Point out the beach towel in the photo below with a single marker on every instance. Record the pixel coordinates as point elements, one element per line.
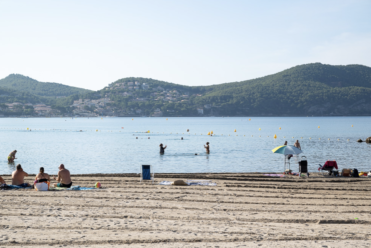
<point>192,183</point>
<point>72,188</point>
<point>165,183</point>
<point>9,187</point>
<point>201,183</point>
<point>274,175</point>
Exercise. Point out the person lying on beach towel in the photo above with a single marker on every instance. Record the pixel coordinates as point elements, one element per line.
<point>18,177</point>
<point>64,178</point>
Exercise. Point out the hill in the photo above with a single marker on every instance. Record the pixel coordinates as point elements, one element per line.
<point>26,84</point>
<point>311,89</point>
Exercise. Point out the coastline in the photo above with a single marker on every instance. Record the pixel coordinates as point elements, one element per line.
<point>244,209</point>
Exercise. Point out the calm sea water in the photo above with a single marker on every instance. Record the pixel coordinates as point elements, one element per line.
<point>115,149</point>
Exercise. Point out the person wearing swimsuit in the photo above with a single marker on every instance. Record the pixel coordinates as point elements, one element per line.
<point>207,147</point>
<point>11,156</point>
<point>42,177</point>
<point>162,149</point>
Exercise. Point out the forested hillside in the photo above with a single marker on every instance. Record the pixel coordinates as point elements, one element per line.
<point>311,89</point>
<point>26,84</point>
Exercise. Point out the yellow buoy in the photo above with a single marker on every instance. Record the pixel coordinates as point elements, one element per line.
<point>96,130</point>
<point>352,125</point>
<point>275,136</point>
<point>249,119</point>
<point>260,129</point>
<point>166,118</point>
<point>279,128</point>
<point>208,133</point>
<point>28,128</point>
<point>132,119</point>
<point>318,126</point>
<point>235,130</point>
<point>212,132</point>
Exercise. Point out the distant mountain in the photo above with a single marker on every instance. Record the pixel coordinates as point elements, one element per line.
<point>311,89</point>
<point>27,84</point>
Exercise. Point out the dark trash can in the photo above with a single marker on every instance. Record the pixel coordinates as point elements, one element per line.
<point>303,166</point>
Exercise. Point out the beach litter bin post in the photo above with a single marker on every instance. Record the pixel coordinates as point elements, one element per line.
<point>303,166</point>
<point>145,173</point>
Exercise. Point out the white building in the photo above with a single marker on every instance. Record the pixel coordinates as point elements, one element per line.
<point>200,111</point>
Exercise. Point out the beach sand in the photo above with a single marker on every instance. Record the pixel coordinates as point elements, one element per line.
<point>243,210</point>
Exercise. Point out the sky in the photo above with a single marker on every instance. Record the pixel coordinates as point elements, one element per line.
<point>90,44</point>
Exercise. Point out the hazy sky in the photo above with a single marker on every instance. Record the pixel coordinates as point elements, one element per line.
<point>90,43</point>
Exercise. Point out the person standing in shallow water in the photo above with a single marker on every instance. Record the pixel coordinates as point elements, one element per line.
<point>207,147</point>
<point>162,149</point>
<point>297,144</point>
<point>11,156</point>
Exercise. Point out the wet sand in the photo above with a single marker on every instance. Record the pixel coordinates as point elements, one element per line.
<point>243,210</point>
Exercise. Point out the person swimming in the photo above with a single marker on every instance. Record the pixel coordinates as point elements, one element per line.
<point>207,147</point>
<point>162,149</point>
<point>11,156</point>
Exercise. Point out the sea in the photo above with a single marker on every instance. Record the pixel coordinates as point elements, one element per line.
<point>237,144</point>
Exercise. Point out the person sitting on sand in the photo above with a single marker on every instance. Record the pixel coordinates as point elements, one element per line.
<point>207,147</point>
<point>162,149</point>
<point>42,177</point>
<point>2,181</point>
<point>64,178</point>
<point>11,156</point>
<point>297,144</point>
<point>18,177</point>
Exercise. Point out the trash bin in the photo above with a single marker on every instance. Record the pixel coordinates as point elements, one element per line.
<point>303,165</point>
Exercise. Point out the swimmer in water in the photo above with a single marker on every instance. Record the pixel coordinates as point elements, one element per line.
<point>181,138</point>
<point>207,147</point>
<point>162,149</point>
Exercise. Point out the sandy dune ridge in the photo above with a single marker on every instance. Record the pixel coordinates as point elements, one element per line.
<point>243,210</point>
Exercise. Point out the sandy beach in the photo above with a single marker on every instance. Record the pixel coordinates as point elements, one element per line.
<point>243,210</point>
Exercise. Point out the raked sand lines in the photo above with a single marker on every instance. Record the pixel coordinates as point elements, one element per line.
<point>242,210</point>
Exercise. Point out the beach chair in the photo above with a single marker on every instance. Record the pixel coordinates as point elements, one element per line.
<point>328,168</point>
<point>145,173</point>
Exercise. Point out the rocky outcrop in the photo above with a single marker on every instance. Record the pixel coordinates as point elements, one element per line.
<point>368,140</point>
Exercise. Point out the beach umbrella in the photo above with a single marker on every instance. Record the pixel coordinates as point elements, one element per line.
<point>287,150</point>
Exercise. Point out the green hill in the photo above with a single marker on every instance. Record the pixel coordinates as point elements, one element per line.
<point>311,89</point>
<point>26,84</point>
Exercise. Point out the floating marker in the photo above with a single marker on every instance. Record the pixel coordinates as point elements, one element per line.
<point>275,136</point>
<point>260,129</point>
<point>212,132</point>
<point>96,130</point>
<point>132,119</point>
<point>318,126</point>
<point>249,119</point>
<point>208,133</point>
<point>279,128</point>
<point>28,129</point>
<point>235,130</point>
<point>352,125</point>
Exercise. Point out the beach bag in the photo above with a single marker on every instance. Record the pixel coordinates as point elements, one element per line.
<point>41,186</point>
<point>345,173</point>
<point>180,183</point>
<point>355,173</point>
